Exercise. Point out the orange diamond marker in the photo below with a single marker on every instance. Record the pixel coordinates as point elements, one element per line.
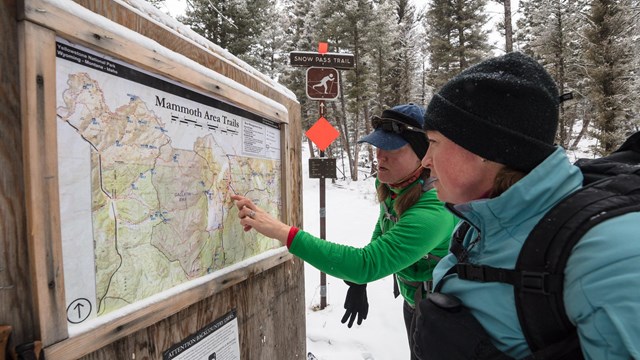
<point>322,133</point>
<point>323,47</point>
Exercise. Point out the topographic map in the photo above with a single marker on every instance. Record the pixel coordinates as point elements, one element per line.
<point>146,169</point>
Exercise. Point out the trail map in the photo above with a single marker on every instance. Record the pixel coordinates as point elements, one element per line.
<point>146,169</point>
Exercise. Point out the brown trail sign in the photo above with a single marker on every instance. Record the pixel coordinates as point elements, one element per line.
<point>323,83</point>
<point>332,60</point>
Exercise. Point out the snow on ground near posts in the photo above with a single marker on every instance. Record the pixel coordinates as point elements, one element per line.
<point>351,210</point>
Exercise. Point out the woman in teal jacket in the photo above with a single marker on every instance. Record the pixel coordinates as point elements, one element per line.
<point>413,228</point>
<point>491,131</point>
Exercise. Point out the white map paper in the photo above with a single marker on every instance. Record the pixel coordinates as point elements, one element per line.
<point>146,168</point>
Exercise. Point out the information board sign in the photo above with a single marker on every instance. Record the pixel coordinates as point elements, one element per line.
<point>146,169</point>
<point>322,168</point>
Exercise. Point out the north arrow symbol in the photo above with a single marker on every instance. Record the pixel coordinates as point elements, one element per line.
<point>78,307</point>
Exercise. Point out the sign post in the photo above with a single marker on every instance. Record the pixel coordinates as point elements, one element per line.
<point>323,84</point>
<point>322,134</point>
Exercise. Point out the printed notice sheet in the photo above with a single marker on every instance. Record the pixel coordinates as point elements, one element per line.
<point>217,341</point>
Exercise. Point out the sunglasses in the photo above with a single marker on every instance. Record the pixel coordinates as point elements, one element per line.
<point>393,125</point>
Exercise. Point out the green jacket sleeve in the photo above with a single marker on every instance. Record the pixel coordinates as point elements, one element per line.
<point>423,228</point>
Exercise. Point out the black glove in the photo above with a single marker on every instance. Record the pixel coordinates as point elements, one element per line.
<point>355,303</point>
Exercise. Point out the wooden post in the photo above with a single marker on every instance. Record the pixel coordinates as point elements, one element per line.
<point>5,331</point>
<point>508,31</point>
<point>323,235</point>
<point>16,297</point>
<point>37,69</point>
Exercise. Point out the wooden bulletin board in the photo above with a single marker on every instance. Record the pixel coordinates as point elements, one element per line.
<point>133,138</point>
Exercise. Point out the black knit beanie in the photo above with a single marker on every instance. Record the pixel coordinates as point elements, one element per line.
<point>504,109</point>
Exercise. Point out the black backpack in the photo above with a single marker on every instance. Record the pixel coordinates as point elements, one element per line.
<point>612,188</point>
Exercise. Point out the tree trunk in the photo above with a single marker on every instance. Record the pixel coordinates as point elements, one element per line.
<point>341,121</point>
<point>312,152</point>
<point>586,120</point>
<point>508,30</point>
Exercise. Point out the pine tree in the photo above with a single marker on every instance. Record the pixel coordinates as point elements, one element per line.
<point>455,37</point>
<point>235,25</point>
<point>345,24</point>
<point>382,36</point>
<point>424,90</point>
<point>299,26</point>
<point>268,54</point>
<point>406,55</point>
<point>634,36</point>
<point>551,33</point>
<point>608,66</point>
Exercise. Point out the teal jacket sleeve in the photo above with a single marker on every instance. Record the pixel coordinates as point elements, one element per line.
<point>602,284</point>
<point>426,226</point>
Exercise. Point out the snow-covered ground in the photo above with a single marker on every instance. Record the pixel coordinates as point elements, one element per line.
<point>351,210</point>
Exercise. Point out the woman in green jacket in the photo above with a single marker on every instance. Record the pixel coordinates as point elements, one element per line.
<point>413,228</point>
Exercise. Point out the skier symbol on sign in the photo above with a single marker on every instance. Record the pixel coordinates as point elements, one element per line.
<point>322,83</point>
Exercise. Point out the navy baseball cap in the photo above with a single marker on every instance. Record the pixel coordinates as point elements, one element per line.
<point>397,127</point>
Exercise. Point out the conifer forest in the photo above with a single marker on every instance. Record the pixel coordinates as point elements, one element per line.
<point>406,49</point>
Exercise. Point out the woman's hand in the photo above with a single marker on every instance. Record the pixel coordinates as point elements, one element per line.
<point>252,217</point>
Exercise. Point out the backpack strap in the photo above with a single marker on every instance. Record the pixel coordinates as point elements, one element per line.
<point>546,251</point>
<point>538,278</point>
<point>456,247</point>
<point>387,213</point>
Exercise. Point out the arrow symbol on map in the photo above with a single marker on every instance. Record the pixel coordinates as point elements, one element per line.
<point>79,308</point>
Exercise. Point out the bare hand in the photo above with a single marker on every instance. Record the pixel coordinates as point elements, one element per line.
<point>252,217</point>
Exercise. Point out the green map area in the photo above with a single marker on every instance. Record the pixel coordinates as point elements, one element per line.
<point>160,215</point>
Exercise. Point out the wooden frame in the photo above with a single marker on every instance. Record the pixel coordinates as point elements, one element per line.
<point>44,21</point>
